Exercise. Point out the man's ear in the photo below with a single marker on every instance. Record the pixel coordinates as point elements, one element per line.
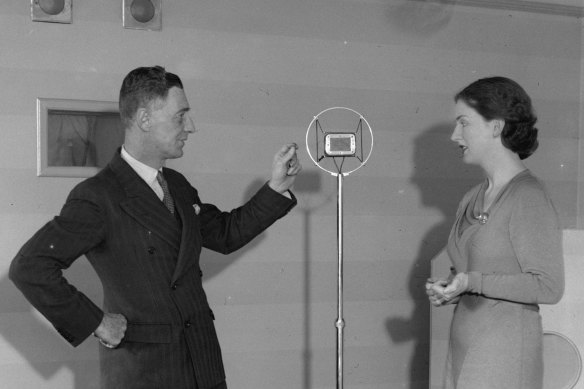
<point>498,125</point>
<point>143,119</point>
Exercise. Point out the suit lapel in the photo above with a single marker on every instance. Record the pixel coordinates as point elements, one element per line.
<point>190,246</point>
<point>143,205</point>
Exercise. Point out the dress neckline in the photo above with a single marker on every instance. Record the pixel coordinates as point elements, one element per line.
<point>474,215</point>
<point>479,201</point>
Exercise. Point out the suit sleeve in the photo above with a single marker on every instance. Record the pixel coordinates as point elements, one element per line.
<point>226,232</point>
<point>37,269</point>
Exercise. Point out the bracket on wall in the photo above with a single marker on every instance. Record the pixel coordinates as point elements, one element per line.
<point>51,11</point>
<point>142,14</point>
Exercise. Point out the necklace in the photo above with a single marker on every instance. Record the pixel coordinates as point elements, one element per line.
<point>483,217</point>
<point>479,213</point>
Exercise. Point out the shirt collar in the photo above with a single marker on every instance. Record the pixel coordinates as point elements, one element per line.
<point>146,172</point>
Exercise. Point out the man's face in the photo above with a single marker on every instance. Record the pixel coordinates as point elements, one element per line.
<point>169,125</point>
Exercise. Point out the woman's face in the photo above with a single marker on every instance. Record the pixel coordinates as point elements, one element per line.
<point>474,135</point>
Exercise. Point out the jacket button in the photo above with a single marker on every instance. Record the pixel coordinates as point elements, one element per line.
<point>151,250</point>
<point>187,324</point>
<point>174,286</point>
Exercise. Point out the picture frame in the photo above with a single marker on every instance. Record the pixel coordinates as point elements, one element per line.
<point>76,138</point>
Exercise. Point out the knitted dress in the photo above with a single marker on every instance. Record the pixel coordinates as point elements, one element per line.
<point>514,262</point>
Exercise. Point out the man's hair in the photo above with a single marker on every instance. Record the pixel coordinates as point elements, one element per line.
<point>143,86</point>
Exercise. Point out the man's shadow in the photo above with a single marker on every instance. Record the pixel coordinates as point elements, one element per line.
<point>33,338</point>
<point>442,179</point>
<point>47,354</point>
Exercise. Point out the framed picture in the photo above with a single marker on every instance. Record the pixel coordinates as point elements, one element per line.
<point>76,138</point>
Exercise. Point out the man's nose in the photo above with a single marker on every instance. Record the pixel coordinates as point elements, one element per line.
<point>190,125</point>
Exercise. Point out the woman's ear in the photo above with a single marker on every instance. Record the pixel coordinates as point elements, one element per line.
<point>498,125</point>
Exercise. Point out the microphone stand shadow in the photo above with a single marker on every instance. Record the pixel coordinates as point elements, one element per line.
<point>309,186</point>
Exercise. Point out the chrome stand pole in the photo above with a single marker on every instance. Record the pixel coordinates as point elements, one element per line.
<point>340,323</point>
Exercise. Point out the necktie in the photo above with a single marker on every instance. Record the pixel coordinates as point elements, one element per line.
<point>167,198</point>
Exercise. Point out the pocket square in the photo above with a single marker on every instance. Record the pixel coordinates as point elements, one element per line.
<point>197,209</point>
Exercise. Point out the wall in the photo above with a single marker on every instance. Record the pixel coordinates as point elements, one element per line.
<point>580,208</point>
<point>256,73</point>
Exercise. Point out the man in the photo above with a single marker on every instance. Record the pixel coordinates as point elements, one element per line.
<point>143,234</point>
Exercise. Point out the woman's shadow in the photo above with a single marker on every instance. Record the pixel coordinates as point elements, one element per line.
<point>442,179</point>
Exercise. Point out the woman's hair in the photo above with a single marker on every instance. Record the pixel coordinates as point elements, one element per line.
<point>502,98</point>
<point>141,87</point>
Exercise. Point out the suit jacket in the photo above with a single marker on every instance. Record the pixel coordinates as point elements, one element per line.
<point>148,262</point>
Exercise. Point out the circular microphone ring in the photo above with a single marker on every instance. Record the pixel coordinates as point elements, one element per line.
<point>315,119</point>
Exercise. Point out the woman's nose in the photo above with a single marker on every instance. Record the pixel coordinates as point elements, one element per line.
<point>455,136</point>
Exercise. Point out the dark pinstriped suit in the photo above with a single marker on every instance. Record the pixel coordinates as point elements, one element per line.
<point>148,263</point>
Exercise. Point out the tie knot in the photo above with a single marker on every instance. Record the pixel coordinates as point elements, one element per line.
<point>160,178</point>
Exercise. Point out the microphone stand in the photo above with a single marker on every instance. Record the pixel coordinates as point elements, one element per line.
<point>340,323</point>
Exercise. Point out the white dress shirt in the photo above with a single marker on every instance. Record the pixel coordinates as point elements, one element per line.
<point>147,173</point>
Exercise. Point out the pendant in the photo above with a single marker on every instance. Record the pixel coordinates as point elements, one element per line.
<point>483,217</point>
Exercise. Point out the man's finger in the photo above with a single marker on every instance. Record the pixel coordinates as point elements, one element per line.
<point>106,344</point>
<point>286,148</point>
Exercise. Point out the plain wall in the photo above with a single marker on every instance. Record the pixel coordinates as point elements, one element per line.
<point>256,72</point>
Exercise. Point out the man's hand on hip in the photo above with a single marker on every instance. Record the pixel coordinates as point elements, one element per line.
<point>111,330</point>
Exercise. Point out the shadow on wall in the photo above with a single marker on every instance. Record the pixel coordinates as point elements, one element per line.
<point>421,17</point>
<point>442,179</point>
<point>309,188</point>
<point>48,355</point>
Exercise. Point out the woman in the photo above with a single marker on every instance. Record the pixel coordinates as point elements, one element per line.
<point>505,246</point>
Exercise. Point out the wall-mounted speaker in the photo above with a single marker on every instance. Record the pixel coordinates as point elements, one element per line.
<point>142,14</point>
<point>52,11</point>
